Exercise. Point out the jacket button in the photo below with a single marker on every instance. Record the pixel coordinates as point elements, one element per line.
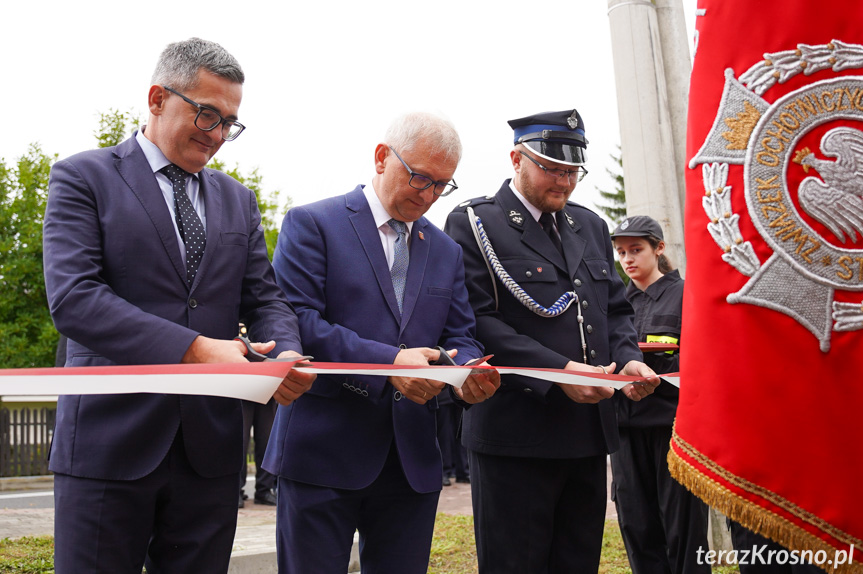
<point>604,272</point>
<point>403,346</point>
<point>193,303</point>
<point>577,282</point>
<point>590,328</point>
<point>592,354</point>
<point>528,274</point>
<point>585,304</point>
<point>397,396</point>
<point>528,390</point>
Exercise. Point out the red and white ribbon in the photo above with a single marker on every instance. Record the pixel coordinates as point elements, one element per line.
<point>252,381</point>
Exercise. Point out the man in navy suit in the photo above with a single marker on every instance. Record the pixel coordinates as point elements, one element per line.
<point>372,281</point>
<point>152,478</point>
<point>538,450</point>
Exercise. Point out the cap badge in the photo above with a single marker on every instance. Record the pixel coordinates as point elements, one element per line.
<point>624,225</point>
<point>516,217</point>
<point>572,121</point>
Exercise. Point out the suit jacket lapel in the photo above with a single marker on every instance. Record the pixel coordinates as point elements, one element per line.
<point>573,243</point>
<point>419,253</point>
<point>364,225</point>
<point>212,193</point>
<point>133,167</point>
<point>532,233</point>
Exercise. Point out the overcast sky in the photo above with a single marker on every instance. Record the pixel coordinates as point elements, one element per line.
<point>323,79</point>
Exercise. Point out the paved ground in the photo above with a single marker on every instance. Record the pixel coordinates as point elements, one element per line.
<point>33,514</point>
<point>27,509</point>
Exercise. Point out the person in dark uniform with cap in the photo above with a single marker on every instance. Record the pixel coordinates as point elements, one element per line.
<point>541,279</point>
<point>663,524</point>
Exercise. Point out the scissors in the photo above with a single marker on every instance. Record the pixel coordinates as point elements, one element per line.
<point>445,359</point>
<point>255,357</point>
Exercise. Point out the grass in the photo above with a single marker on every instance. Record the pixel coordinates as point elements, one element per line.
<point>27,555</point>
<point>454,546</point>
<point>453,551</point>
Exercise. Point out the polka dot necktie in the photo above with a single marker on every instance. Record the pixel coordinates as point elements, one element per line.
<point>188,223</point>
<point>399,270</point>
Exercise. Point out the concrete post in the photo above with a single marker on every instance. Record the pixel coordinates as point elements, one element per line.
<point>651,69</point>
<point>678,68</point>
<point>652,172</point>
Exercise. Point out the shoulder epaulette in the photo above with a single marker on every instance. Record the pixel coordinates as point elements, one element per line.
<point>474,202</point>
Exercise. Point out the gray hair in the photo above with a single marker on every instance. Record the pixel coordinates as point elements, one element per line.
<point>409,129</point>
<point>179,64</point>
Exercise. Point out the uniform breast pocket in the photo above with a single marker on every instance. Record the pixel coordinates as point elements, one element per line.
<point>600,274</point>
<point>538,278</point>
<point>665,324</point>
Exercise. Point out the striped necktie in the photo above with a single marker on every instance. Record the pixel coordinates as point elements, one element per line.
<point>546,220</point>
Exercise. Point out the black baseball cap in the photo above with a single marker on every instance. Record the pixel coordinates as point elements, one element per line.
<point>638,226</point>
<point>555,136</point>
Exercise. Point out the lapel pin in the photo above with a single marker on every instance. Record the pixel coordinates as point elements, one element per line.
<point>422,237</point>
<point>539,269</point>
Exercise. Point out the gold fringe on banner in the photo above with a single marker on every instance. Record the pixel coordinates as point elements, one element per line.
<point>755,517</point>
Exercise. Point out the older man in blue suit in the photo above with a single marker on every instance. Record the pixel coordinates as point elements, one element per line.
<point>152,259</point>
<point>372,281</point>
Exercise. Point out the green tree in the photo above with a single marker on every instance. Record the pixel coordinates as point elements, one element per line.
<point>29,338</point>
<point>115,126</point>
<point>616,211</point>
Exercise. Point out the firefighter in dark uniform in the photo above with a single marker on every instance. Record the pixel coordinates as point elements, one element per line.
<point>541,279</point>
<point>663,524</point>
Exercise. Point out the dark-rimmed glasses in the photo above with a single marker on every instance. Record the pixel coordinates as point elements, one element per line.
<point>209,119</point>
<point>579,172</point>
<point>421,182</point>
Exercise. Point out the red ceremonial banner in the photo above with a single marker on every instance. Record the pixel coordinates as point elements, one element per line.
<point>767,428</point>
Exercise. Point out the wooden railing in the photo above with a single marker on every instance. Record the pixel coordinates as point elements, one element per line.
<point>25,438</point>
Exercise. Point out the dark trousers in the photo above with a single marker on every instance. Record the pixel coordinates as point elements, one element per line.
<point>173,519</point>
<point>260,417</point>
<point>453,453</point>
<point>744,539</point>
<point>663,525</point>
<point>316,524</point>
<point>542,516</point>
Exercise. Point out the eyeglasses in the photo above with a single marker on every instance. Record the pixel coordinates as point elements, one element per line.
<point>579,172</point>
<point>209,119</point>
<point>421,182</point>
